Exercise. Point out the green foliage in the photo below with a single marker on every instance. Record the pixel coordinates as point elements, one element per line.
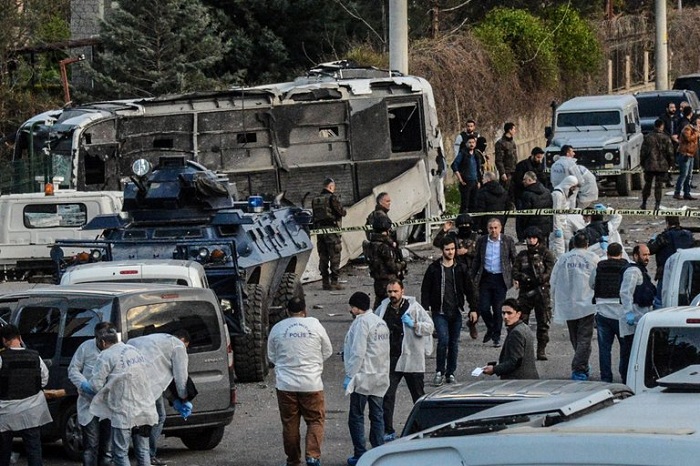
<point>154,47</point>
<point>452,199</point>
<point>528,39</point>
<point>575,43</point>
<point>501,54</point>
<point>364,55</point>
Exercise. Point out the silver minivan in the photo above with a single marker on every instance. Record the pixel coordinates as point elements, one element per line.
<point>55,320</point>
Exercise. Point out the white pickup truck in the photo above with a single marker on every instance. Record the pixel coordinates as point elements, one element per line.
<point>31,223</point>
<point>681,279</point>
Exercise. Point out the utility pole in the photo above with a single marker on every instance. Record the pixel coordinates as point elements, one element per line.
<point>398,35</point>
<point>661,47</point>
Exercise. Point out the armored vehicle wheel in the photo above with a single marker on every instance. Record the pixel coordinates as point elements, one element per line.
<point>622,183</point>
<point>637,181</point>
<point>250,351</point>
<point>71,434</point>
<point>289,288</point>
<point>205,439</point>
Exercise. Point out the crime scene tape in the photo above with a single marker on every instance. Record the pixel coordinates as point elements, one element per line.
<point>686,213</point>
<point>619,171</point>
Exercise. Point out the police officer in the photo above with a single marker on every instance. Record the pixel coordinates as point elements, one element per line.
<point>328,211</point>
<point>23,408</point>
<point>531,273</point>
<point>385,262</point>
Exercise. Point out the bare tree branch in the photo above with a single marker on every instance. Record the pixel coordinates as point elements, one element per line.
<point>467,2</point>
<point>357,16</point>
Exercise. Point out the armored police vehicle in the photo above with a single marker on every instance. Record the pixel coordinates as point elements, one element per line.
<point>252,251</point>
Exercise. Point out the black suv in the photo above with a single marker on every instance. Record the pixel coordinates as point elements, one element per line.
<point>652,104</point>
<point>455,401</point>
<point>690,82</point>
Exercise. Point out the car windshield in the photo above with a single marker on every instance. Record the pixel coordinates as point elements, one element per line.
<point>671,349</point>
<point>655,106</point>
<point>578,119</point>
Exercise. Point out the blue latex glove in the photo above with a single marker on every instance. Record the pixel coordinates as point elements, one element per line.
<point>186,409</point>
<point>600,207</point>
<point>87,389</point>
<point>604,243</point>
<point>558,233</point>
<point>346,382</point>
<point>630,317</point>
<point>406,319</point>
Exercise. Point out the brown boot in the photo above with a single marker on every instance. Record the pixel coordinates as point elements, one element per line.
<point>326,284</point>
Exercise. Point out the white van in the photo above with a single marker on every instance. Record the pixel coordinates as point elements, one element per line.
<point>165,271</point>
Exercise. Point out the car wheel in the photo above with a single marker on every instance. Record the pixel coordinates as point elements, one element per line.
<point>72,434</point>
<point>205,439</point>
<point>250,350</point>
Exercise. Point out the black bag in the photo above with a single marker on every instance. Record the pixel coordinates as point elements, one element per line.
<point>171,395</point>
<point>645,293</point>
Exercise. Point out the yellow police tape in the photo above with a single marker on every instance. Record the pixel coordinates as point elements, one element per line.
<point>687,213</point>
<point>619,171</point>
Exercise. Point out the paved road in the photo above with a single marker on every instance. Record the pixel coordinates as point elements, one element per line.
<point>254,437</point>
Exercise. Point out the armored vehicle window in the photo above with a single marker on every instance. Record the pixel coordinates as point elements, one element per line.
<point>405,129</point>
<point>245,138</point>
<point>671,349</point>
<point>39,327</point>
<point>80,326</point>
<point>55,215</point>
<point>199,318</point>
<point>588,119</point>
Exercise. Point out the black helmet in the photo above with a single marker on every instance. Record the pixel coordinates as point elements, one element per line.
<point>381,223</point>
<point>463,219</point>
<point>533,232</point>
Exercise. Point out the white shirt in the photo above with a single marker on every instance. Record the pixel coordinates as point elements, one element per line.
<point>80,370</point>
<point>366,355</point>
<point>167,356</point>
<point>297,346</point>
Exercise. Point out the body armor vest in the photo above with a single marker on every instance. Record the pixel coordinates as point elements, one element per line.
<point>608,278</point>
<point>323,213</point>
<point>20,375</point>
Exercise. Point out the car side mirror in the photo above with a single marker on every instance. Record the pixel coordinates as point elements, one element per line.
<point>631,128</point>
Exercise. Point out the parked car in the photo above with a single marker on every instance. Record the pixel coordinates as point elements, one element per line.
<point>655,428</point>
<point>165,271</point>
<point>454,401</point>
<point>690,82</point>
<point>652,104</point>
<point>55,320</point>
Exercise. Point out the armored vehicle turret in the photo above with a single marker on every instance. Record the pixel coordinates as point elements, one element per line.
<point>253,251</point>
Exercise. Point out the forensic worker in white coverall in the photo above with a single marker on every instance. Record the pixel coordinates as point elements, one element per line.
<point>97,435</point>
<point>561,233</point>
<point>167,355</point>
<point>366,358</point>
<point>298,346</point>
<point>122,385</point>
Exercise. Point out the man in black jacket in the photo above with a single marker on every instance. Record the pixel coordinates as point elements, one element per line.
<point>534,196</point>
<point>491,197</point>
<point>445,284</point>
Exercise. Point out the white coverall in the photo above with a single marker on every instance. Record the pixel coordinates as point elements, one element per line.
<point>564,167</point>
<point>417,341</point>
<point>79,370</point>
<point>298,346</point>
<point>366,355</point>
<point>167,356</point>
<point>588,189</point>
<point>631,278</point>
<point>561,233</point>
<point>572,297</point>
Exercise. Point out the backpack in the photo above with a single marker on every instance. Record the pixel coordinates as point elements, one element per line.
<point>645,293</point>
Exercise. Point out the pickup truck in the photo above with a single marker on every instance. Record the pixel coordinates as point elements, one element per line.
<point>681,278</point>
<point>31,224</point>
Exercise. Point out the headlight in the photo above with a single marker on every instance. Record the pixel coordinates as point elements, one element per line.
<point>609,156</point>
<point>96,255</point>
<point>141,167</point>
<point>203,254</point>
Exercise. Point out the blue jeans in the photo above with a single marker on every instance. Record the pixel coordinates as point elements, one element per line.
<point>97,443</point>
<point>492,293</point>
<point>158,428</point>
<point>120,448</point>
<point>32,445</point>
<point>356,422</point>
<point>608,330</point>
<point>685,165</point>
<point>448,342</point>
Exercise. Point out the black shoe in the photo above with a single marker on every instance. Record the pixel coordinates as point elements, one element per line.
<point>488,337</point>
<point>643,206</point>
<point>689,198</point>
<point>496,342</point>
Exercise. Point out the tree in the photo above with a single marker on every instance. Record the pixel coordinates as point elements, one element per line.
<point>154,47</point>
